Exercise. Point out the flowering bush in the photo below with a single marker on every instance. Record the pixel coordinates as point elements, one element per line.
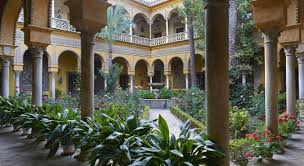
<point>239,151</point>
<point>264,144</point>
<point>288,124</point>
<point>238,121</point>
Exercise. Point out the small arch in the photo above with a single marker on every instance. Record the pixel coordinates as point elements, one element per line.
<point>141,26</point>
<point>158,26</point>
<point>98,79</point>
<point>178,79</point>
<point>157,15</point>
<point>144,16</point>
<point>147,64</point>
<point>124,77</point>
<point>158,68</point>
<point>67,72</point>
<point>176,23</point>
<point>141,74</point>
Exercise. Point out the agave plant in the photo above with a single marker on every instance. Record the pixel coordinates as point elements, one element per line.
<point>188,149</point>
<point>117,147</point>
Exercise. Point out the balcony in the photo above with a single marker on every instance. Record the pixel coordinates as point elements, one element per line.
<point>151,2</point>
<point>64,25</point>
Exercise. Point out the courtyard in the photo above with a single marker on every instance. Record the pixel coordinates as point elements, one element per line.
<point>151,82</point>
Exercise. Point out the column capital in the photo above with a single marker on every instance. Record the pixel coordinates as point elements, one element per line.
<point>290,50</point>
<point>271,35</point>
<point>167,72</point>
<point>18,67</point>
<point>6,62</point>
<point>37,52</point>
<point>53,69</point>
<point>7,50</point>
<point>300,59</point>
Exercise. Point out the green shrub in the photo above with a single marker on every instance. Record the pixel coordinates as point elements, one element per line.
<point>146,94</point>
<point>193,103</point>
<point>238,121</point>
<point>258,105</point>
<point>241,96</point>
<point>165,93</point>
<point>238,150</point>
<point>184,116</point>
<point>282,102</point>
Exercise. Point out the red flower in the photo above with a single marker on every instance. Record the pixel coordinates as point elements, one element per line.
<point>279,138</point>
<point>293,117</point>
<point>269,139</point>
<point>248,155</point>
<point>255,136</point>
<point>264,135</point>
<point>268,131</point>
<point>247,135</point>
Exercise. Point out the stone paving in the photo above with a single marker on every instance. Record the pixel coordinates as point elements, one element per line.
<point>16,150</point>
<point>174,123</point>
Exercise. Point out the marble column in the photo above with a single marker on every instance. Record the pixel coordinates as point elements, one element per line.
<point>150,30</point>
<point>187,81</point>
<point>37,56</point>
<point>131,33</point>
<point>5,77</point>
<point>271,92</point>
<point>131,83</point>
<point>53,85</point>
<point>167,81</point>
<point>291,79</point>
<point>105,83</point>
<point>150,83</point>
<point>301,76</point>
<point>186,27</point>
<point>167,30</point>
<point>217,77</point>
<point>17,82</point>
<point>87,74</point>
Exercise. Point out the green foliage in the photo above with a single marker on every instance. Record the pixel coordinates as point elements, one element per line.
<point>165,93</point>
<point>76,82</point>
<point>241,96</point>
<point>288,124</point>
<point>282,101</point>
<point>193,10</point>
<point>188,149</point>
<point>238,150</point>
<point>184,116</point>
<point>112,78</point>
<point>118,21</point>
<point>117,110</point>
<point>146,94</point>
<point>238,121</point>
<point>193,103</point>
<point>258,105</point>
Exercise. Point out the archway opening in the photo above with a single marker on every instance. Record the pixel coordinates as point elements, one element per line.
<point>158,26</point>
<point>124,78</point>
<point>98,79</point>
<point>26,75</point>
<point>141,75</point>
<point>68,76</point>
<point>141,26</point>
<point>159,74</point>
<point>178,78</point>
<point>176,23</point>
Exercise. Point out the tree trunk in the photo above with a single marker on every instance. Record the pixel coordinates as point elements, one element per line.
<point>232,31</point>
<point>110,58</point>
<point>192,53</point>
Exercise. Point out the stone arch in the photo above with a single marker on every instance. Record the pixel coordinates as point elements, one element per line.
<point>171,59</point>
<point>158,24</point>
<point>146,63</point>
<point>176,23</point>
<point>124,77</point>
<point>177,75</point>
<point>98,79</point>
<point>158,68</point>
<point>142,74</point>
<point>200,70</point>
<point>141,25</point>
<point>157,15</point>
<point>9,17</point>
<point>68,50</point>
<point>26,75</point>
<point>143,15</point>
<point>67,72</point>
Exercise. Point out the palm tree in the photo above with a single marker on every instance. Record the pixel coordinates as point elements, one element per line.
<point>192,10</point>
<point>232,31</point>
<point>118,22</point>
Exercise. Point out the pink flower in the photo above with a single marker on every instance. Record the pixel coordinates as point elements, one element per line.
<point>298,123</point>
<point>248,155</point>
<point>293,117</point>
<point>269,139</point>
<point>268,131</point>
<point>255,136</point>
<point>279,138</point>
